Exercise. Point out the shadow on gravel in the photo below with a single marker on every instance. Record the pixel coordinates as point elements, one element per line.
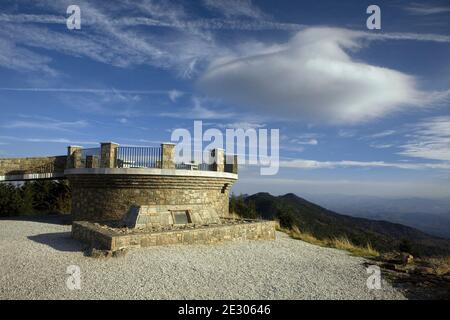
<point>61,241</point>
<point>65,219</point>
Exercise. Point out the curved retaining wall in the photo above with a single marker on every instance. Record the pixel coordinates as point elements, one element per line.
<point>107,194</point>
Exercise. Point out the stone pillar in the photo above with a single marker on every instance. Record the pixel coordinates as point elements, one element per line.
<point>219,160</point>
<point>108,154</point>
<point>235,164</point>
<point>231,163</point>
<point>91,162</point>
<point>168,156</point>
<point>73,157</point>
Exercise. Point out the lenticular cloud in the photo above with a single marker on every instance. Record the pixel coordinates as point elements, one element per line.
<point>312,77</point>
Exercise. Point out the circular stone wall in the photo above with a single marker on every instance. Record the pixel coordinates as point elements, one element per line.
<point>107,194</point>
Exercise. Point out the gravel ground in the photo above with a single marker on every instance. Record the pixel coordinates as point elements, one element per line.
<point>35,254</point>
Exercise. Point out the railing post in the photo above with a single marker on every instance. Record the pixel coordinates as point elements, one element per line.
<point>91,162</point>
<point>108,154</point>
<point>167,155</point>
<point>73,157</point>
<point>219,160</point>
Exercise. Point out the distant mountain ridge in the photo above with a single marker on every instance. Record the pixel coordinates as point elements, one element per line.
<point>429,215</point>
<point>291,209</point>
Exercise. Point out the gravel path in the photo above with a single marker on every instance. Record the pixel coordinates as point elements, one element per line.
<point>34,256</point>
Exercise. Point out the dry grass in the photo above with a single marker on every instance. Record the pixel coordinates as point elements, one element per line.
<point>304,236</point>
<point>441,265</point>
<point>345,244</point>
<point>342,243</point>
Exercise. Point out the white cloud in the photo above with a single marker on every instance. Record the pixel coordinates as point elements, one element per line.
<point>382,134</point>
<point>235,8</point>
<point>45,124</point>
<point>312,142</point>
<point>84,90</point>
<point>430,140</point>
<point>407,36</point>
<point>118,34</point>
<point>345,133</point>
<point>426,9</point>
<point>241,125</point>
<point>21,59</point>
<point>187,23</point>
<point>381,146</point>
<point>314,164</point>
<point>313,77</point>
<point>198,112</point>
<point>51,140</point>
<point>174,95</point>
<point>110,38</point>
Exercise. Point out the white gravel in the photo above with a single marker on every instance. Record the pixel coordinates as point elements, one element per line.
<point>34,256</point>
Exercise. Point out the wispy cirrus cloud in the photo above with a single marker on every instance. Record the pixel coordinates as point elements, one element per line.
<point>170,93</point>
<point>118,102</point>
<point>240,125</point>
<point>115,34</point>
<point>235,8</point>
<point>347,133</point>
<point>314,164</point>
<point>50,140</point>
<point>236,71</point>
<point>426,9</point>
<point>21,59</point>
<point>382,134</point>
<point>311,142</point>
<point>175,94</point>
<point>196,25</point>
<point>430,139</point>
<point>381,145</point>
<point>198,111</point>
<point>45,124</point>
<point>114,43</point>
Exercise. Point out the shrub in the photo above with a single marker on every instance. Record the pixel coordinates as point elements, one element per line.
<point>34,197</point>
<point>405,246</point>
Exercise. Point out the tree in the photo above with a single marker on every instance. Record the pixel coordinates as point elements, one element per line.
<point>10,200</point>
<point>34,197</point>
<point>245,209</point>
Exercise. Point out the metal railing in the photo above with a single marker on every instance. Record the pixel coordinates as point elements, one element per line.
<point>197,162</point>
<point>138,157</point>
<point>151,157</point>
<point>194,166</point>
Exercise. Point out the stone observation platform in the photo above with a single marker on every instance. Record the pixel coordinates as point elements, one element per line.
<point>141,196</point>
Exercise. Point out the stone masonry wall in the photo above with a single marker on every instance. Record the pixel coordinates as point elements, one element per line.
<point>109,240</point>
<point>109,197</point>
<point>16,166</point>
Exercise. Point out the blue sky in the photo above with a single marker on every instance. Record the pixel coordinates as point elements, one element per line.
<point>359,111</point>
